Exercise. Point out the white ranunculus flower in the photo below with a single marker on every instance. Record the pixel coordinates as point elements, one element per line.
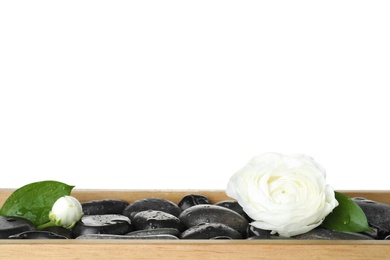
<point>286,194</point>
<point>66,211</point>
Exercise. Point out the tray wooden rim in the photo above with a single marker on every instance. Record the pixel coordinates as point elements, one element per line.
<point>87,194</point>
<point>191,249</point>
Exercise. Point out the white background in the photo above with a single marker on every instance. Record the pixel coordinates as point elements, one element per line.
<point>181,94</point>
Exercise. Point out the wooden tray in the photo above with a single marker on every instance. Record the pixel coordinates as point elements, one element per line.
<point>191,249</point>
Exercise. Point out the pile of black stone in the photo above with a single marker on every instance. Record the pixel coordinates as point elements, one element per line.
<point>193,218</point>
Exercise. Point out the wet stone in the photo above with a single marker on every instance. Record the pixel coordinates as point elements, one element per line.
<point>103,224</point>
<point>378,214</point>
<point>233,205</point>
<point>255,233</point>
<point>376,232</point>
<point>200,214</point>
<point>209,231</point>
<point>315,234</point>
<point>271,237</point>
<point>151,219</point>
<point>37,234</point>
<point>192,200</point>
<point>153,232</point>
<point>327,234</point>
<point>14,225</point>
<point>221,238</point>
<point>148,237</point>
<point>61,231</point>
<point>102,207</point>
<point>151,204</point>
<point>259,233</point>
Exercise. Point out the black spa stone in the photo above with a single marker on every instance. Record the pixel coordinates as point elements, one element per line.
<point>37,234</point>
<point>378,214</point>
<point>255,233</point>
<point>61,231</point>
<point>327,234</point>
<point>233,205</point>
<point>103,224</point>
<point>270,237</point>
<point>200,214</point>
<point>210,231</point>
<point>14,225</point>
<point>147,237</point>
<point>151,204</point>
<point>259,233</point>
<point>192,200</point>
<point>221,238</point>
<point>315,234</point>
<point>153,232</point>
<point>106,206</point>
<point>151,219</point>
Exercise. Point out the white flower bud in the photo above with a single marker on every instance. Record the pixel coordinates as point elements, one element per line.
<point>66,211</point>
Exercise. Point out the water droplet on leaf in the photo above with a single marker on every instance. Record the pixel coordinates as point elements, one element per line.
<point>346,221</point>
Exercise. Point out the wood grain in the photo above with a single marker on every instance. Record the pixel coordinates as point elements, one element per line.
<point>190,249</point>
<point>77,249</point>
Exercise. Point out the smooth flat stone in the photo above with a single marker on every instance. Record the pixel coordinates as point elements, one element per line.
<point>151,219</point>
<point>153,232</point>
<point>192,200</point>
<point>61,231</point>
<point>103,224</point>
<point>327,234</point>
<point>233,205</point>
<point>209,231</point>
<point>378,214</point>
<point>107,236</point>
<point>37,234</point>
<point>14,225</point>
<point>221,238</point>
<point>259,233</point>
<point>151,204</point>
<point>271,237</point>
<point>315,234</point>
<point>101,207</point>
<point>201,214</point>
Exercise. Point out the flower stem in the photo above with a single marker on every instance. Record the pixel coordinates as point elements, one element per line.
<point>47,224</point>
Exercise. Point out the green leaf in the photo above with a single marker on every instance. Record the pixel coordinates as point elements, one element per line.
<point>346,217</point>
<point>35,200</point>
